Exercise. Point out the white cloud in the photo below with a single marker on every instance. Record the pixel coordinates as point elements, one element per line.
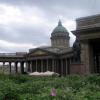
<point>12,14</point>
<point>15,46</point>
<point>29,23</point>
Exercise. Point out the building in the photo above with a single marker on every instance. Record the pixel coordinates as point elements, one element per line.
<point>82,58</point>
<point>88,33</point>
<point>54,58</point>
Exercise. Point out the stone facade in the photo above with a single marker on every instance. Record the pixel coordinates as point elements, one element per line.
<point>60,42</point>
<point>88,31</point>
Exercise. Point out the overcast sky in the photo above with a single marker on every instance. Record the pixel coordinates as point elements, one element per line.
<point>28,24</point>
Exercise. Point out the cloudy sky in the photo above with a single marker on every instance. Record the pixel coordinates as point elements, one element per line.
<point>27,24</point>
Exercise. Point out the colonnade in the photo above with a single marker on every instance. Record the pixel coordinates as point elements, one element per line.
<point>60,66</point>
<point>42,65</point>
<point>13,66</point>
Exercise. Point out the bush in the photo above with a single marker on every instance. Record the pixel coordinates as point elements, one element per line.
<point>72,87</point>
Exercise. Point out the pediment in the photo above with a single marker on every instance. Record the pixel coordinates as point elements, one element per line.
<point>39,52</point>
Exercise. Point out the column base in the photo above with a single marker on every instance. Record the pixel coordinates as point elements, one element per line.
<point>77,68</point>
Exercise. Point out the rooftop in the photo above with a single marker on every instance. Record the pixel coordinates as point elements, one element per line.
<point>88,22</point>
<point>59,31</point>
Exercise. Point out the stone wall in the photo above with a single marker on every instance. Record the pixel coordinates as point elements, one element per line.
<point>85,56</point>
<point>77,69</point>
<point>60,42</point>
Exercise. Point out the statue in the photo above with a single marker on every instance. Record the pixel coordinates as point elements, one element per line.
<point>77,51</point>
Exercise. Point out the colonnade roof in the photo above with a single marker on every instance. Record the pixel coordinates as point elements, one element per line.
<point>12,54</point>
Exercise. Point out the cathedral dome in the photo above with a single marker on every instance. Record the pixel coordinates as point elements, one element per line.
<point>60,36</point>
<point>60,30</point>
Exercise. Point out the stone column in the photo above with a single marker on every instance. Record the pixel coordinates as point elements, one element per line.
<point>10,66</point>
<point>28,66</point>
<point>53,65</point>
<point>85,58</point>
<point>3,69</point>
<point>16,69</point>
<point>58,66</point>
<point>92,68</point>
<point>61,66</point>
<point>3,63</point>
<point>47,65</point>
<point>66,67</point>
<point>41,65</point>
<point>22,67</point>
<point>36,65</point>
<point>31,66</point>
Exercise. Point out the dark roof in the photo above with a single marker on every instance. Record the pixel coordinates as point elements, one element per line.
<point>15,55</point>
<point>88,17</point>
<point>60,30</point>
<point>88,22</point>
<point>94,29</point>
<point>53,50</point>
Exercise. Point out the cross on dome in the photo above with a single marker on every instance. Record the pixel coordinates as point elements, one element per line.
<point>59,23</point>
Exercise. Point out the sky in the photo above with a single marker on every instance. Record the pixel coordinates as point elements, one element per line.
<point>26,24</point>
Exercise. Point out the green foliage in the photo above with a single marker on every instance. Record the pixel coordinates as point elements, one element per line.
<point>72,87</point>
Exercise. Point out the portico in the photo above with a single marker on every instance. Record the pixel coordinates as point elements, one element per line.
<point>42,61</point>
<point>88,33</point>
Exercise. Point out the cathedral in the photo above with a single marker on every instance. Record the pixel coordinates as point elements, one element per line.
<point>55,58</point>
<point>82,58</point>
